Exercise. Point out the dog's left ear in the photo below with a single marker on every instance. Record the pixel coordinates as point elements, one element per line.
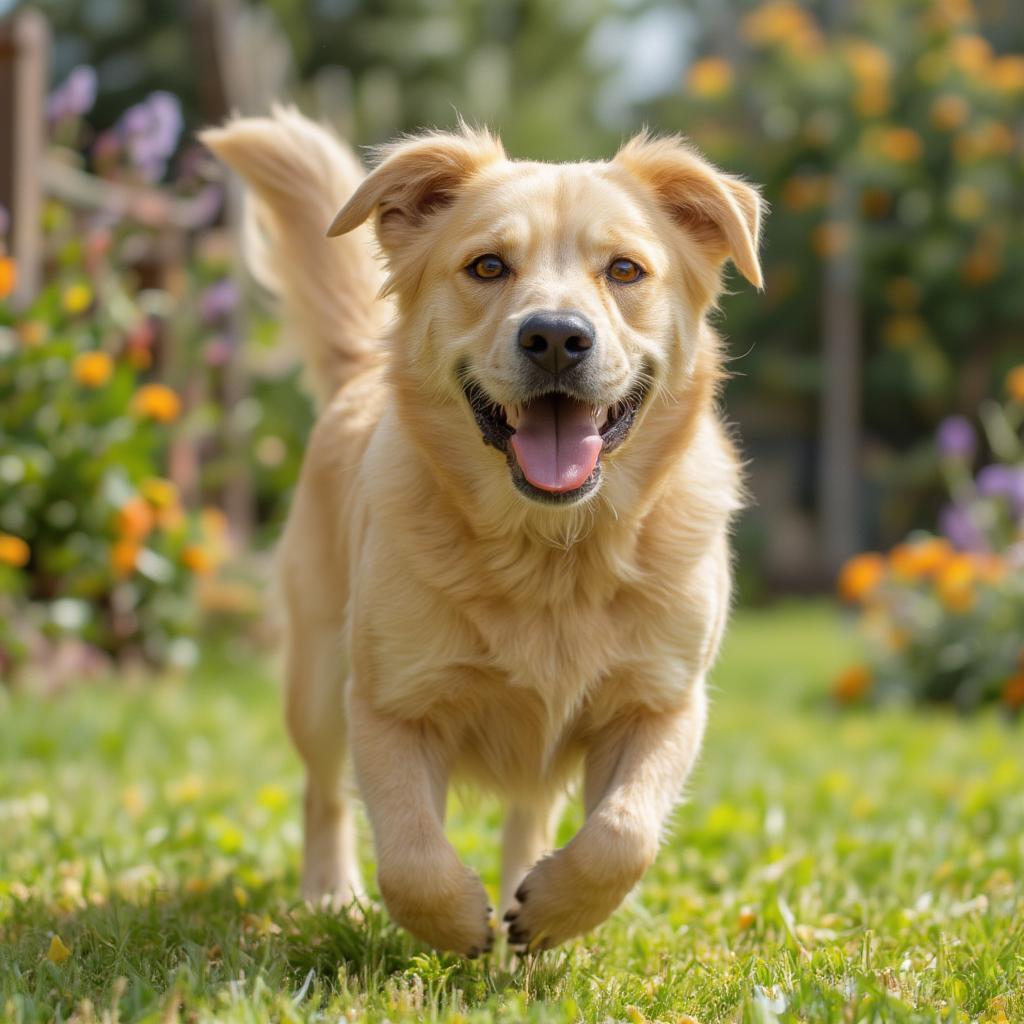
<point>416,178</point>
<point>722,212</point>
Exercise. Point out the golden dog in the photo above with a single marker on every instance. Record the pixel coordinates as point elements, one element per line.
<point>508,554</point>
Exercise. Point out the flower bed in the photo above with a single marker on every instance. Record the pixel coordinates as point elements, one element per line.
<point>943,614</point>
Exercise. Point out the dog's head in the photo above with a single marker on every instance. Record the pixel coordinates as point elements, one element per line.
<point>545,306</point>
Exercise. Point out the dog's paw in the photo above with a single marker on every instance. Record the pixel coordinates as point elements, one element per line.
<point>448,909</point>
<point>575,889</point>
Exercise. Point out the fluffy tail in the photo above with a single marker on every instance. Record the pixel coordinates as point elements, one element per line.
<point>298,177</point>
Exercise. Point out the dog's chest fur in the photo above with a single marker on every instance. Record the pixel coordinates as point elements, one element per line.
<point>513,648</point>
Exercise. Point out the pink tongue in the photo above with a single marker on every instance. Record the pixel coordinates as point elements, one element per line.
<point>557,443</point>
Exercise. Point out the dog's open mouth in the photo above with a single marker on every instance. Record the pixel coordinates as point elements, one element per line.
<point>554,442</point>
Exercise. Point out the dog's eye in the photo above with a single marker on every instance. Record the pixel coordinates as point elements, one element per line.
<point>487,268</point>
<point>625,271</point>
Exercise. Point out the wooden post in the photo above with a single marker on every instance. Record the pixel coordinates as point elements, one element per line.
<point>839,490</point>
<point>24,74</point>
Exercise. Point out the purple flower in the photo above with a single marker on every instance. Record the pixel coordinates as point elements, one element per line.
<point>151,130</point>
<point>75,96</point>
<point>956,438</point>
<point>995,481</point>
<point>999,481</point>
<point>957,523</point>
<point>218,301</point>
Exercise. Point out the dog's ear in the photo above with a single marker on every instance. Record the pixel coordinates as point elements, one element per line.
<point>416,178</point>
<point>720,211</point>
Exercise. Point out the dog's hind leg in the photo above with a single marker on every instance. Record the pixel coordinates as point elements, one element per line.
<point>315,713</point>
<point>528,834</point>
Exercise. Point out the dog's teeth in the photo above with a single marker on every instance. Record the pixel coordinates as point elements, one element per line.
<point>512,415</point>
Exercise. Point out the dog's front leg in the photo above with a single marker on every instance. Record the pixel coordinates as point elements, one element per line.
<point>402,771</point>
<point>634,775</point>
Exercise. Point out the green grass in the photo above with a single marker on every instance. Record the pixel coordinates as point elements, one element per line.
<point>827,866</point>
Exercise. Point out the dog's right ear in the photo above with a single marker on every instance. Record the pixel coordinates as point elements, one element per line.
<point>416,178</point>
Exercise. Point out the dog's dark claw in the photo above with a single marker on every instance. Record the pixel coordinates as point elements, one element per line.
<point>521,893</point>
<point>510,915</point>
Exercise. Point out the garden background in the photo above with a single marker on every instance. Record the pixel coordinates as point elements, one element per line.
<point>152,425</point>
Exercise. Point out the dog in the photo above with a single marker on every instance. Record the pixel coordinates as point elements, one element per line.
<point>507,560</point>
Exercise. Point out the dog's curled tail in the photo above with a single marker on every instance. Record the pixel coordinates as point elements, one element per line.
<point>298,175</point>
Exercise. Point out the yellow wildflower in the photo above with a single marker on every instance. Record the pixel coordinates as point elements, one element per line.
<point>77,298</point>
<point>58,953</point>
<point>955,584</point>
<point>710,77</point>
<point>159,493</point>
<point>92,369</point>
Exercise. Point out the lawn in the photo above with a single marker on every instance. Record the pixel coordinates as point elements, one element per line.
<point>827,866</point>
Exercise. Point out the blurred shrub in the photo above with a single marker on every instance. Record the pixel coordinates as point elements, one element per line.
<point>888,135</point>
<point>94,542</point>
<point>126,413</point>
<point>943,614</point>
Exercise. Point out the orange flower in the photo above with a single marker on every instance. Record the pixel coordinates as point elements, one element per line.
<point>917,559</point>
<point>971,54</point>
<point>8,276</point>
<point>710,77</point>
<point>123,556</point>
<point>955,584</point>
<point>784,23</point>
<point>805,191</point>
<point>861,576</point>
<point>134,519</point>
<point>1007,73</point>
<point>197,559</point>
<point>157,402</point>
<point>33,333</point>
<point>13,550</point>
<point>900,145</point>
<point>949,111</point>
<point>92,369</point>
<point>852,684</point>
<point>1013,691</point>
<point>1015,383</point>
<point>831,238</point>
<point>903,329</point>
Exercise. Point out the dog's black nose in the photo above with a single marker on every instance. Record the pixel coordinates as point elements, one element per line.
<point>556,341</point>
